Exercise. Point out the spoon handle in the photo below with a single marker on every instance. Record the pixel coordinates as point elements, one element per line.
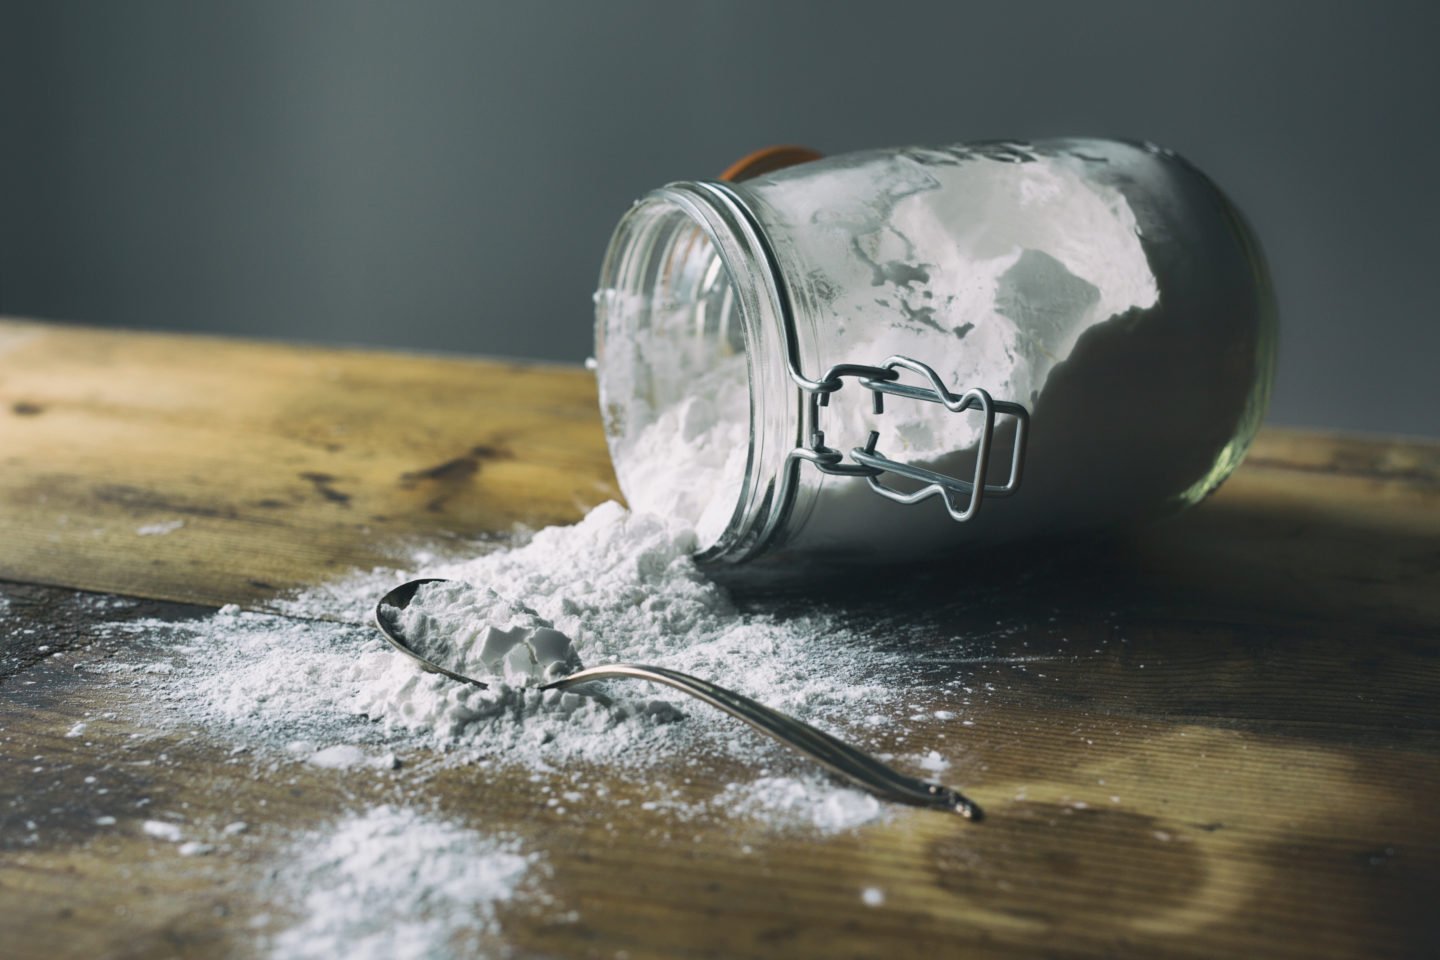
<point>839,757</point>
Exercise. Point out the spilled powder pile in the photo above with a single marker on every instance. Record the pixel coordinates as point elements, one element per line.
<point>391,882</point>
<point>622,587</point>
<point>388,881</point>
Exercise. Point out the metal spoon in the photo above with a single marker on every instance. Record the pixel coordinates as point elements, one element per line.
<point>837,756</point>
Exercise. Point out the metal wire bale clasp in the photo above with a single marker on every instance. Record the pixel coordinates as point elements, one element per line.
<point>962,498</point>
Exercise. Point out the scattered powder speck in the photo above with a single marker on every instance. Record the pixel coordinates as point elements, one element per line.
<point>933,762</point>
<point>159,529</point>
<point>392,883</point>
<point>340,756</point>
<point>872,896</point>
<point>801,802</point>
<point>161,830</point>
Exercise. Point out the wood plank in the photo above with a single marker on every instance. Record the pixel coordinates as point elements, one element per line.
<point>1312,525</point>
<point>284,464</point>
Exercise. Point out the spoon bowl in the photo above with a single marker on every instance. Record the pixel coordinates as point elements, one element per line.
<point>398,599</point>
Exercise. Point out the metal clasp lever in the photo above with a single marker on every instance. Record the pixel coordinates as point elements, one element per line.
<point>962,498</point>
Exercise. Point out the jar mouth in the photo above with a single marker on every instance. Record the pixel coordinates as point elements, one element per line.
<point>692,382</point>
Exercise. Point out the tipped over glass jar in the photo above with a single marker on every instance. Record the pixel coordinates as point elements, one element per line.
<point>902,353</point>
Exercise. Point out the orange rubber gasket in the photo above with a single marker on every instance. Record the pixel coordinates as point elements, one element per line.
<point>768,160</point>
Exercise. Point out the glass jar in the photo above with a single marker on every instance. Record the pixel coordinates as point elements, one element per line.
<point>898,353</point>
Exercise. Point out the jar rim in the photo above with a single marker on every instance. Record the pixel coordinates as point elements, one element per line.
<point>767,494</point>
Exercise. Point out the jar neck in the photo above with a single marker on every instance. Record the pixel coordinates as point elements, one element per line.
<point>633,264</point>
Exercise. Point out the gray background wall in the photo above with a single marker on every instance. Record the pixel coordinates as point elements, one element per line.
<point>442,175</point>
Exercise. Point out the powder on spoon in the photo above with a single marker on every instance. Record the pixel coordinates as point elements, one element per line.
<point>473,631</point>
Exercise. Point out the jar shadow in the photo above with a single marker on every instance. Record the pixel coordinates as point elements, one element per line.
<point>1231,610</point>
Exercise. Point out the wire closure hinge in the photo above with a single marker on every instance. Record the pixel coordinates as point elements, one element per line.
<point>962,497</point>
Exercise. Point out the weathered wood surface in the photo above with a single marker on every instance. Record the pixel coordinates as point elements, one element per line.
<point>1221,738</point>
<point>284,464</point>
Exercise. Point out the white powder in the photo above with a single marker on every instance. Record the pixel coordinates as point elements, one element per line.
<point>988,272</point>
<point>159,529</point>
<point>620,586</point>
<point>801,802</point>
<point>934,763</point>
<point>341,756</point>
<point>689,463</point>
<point>161,830</point>
<point>392,884</point>
<point>475,632</point>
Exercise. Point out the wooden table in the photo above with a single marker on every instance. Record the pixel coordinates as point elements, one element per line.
<point>1230,745</point>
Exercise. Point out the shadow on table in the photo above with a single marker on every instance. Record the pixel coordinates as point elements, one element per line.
<point>1255,618</point>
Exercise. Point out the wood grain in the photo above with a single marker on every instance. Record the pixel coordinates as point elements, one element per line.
<point>1218,737</point>
<point>284,464</point>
